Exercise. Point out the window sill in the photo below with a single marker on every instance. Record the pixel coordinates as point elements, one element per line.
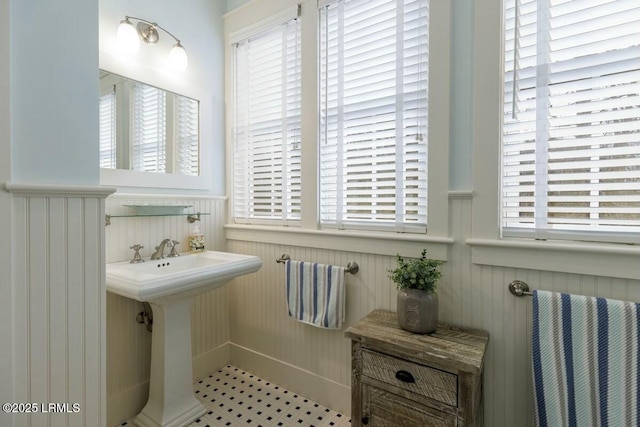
<point>609,260</point>
<point>379,243</point>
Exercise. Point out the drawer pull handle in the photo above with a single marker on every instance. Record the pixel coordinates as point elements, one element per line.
<point>405,377</point>
<point>365,420</point>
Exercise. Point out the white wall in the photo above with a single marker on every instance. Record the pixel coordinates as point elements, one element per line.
<point>199,27</point>
<point>461,90</point>
<point>6,314</point>
<point>54,116</point>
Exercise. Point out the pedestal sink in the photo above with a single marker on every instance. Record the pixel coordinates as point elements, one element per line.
<point>169,285</point>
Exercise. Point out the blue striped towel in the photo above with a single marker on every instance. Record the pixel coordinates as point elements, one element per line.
<point>315,293</point>
<point>586,362</point>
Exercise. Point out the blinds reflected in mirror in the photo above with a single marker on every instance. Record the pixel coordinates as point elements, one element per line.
<point>186,136</point>
<point>147,129</point>
<point>107,111</point>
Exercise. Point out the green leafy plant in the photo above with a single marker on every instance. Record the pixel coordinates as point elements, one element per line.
<point>416,273</point>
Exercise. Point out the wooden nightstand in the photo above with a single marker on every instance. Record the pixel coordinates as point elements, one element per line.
<point>404,379</point>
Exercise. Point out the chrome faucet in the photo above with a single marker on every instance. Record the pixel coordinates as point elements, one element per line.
<point>159,253</point>
<point>173,252</point>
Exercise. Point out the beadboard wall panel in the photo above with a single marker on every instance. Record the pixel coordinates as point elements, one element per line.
<point>150,231</point>
<point>6,302</point>
<point>129,343</point>
<point>260,324</point>
<point>266,341</point>
<point>58,303</point>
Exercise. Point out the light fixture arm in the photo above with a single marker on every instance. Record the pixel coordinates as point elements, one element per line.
<point>129,39</point>
<point>154,25</point>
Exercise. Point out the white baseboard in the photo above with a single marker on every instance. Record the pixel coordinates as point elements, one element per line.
<point>126,404</point>
<point>211,361</point>
<point>312,386</point>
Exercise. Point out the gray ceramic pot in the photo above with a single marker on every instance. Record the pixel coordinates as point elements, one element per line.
<point>417,311</point>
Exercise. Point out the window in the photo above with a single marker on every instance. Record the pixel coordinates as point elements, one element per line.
<point>373,69</point>
<point>266,129</point>
<point>344,146</point>
<point>571,127</point>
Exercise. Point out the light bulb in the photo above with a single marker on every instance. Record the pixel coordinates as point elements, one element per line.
<point>178,57</point>
<point>127,35</point>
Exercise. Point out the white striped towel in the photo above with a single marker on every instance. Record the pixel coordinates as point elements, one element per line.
<point>316,293</point>
<point>586,364</point>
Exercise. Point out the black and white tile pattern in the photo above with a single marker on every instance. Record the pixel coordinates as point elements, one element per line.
<point>238,398</point>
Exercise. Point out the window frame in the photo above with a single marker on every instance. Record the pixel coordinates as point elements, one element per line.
<point>252,16</point>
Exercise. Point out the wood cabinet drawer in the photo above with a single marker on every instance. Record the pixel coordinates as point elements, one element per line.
<point>384,409</point>
<point>416,378</point>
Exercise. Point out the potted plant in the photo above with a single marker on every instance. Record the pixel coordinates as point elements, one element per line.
<point>417,282</point>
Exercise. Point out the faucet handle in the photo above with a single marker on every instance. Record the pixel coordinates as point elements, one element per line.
<point>136,256</point>
<point>173,245</point>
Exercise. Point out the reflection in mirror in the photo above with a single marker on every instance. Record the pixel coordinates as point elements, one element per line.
<point>144,128</point>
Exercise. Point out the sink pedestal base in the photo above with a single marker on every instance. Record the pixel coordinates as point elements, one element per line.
<point>171,401</point>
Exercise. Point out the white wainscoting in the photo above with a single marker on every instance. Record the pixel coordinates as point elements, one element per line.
<point>58,302</point>
<point>316,362</point>
<point>129,343</point>
<point>247,323</point>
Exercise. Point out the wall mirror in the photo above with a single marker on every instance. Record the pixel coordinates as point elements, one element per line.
<point>144,128</point>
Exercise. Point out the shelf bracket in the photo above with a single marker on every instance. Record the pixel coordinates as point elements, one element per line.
<point>190,217</point>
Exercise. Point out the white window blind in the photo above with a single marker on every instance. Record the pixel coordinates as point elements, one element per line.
<point>373,71</point>
<point>267,126</point>
<point>186,135</point>
<point>148,128</point>
<point>107,126</point>
<point>571,127</point>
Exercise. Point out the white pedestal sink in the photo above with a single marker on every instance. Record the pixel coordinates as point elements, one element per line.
<point>169,285</point>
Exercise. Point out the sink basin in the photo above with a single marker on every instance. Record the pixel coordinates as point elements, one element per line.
<point>169,285</point>
<point>178,277</point>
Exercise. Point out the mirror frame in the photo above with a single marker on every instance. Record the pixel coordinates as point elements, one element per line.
<point>175,84</point>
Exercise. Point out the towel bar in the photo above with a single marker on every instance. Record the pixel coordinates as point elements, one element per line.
<point>351,267</point>
<point>519,288</point>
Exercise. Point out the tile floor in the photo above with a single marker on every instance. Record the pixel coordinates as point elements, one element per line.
<point>238,398</point>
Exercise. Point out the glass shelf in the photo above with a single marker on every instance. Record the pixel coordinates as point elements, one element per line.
<point>191,217</point>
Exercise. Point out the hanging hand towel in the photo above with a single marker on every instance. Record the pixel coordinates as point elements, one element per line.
<point>315,293</point>
<point>586,366</point>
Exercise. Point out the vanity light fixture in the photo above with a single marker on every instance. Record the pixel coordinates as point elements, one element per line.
<point>129,40</point>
